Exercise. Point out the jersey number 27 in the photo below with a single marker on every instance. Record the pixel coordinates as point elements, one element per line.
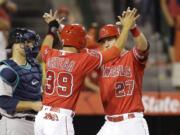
<point>123,89</point>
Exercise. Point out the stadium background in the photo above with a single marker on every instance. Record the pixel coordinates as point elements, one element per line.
<point>161,98</point>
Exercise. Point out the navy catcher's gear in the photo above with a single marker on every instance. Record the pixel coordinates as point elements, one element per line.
<point>22,35</point>
<point>9,76</point>
<point>8,103</point>
<point>28,85</point>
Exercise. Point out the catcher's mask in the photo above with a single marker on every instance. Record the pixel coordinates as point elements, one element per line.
<point>23,35</point>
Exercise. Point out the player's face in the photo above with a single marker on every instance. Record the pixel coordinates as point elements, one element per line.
<point>108,42</point>
<point>28,44</point>
<point>20,47</point>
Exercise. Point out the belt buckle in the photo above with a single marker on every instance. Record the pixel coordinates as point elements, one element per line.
<point>30,118</point>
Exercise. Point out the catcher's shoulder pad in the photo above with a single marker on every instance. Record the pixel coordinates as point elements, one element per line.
<point>9,76</point>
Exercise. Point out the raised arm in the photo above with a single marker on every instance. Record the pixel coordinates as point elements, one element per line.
<point>127,20</point>
<point>139,38</point>
<point>53,24</point>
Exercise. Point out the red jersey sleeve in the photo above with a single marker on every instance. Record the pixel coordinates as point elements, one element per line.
<point>45,50</point>
<point>92,61</point>
<point>96,58</point>
<point>141,56</point>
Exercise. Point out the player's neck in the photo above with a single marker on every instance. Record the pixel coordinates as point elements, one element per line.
<point>70,49</point>
<point>19,59</point>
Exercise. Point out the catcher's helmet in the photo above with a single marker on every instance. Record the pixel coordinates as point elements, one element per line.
<point>108,30</point>
<point>22,35</point>
<point>73,35</point>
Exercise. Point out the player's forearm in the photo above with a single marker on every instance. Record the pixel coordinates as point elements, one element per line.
<point>141,42</point>
<point>24,106</point>
<point>48,41</point>
<point>114,51</point>
<point>12,105</point>
<point>120,43</point>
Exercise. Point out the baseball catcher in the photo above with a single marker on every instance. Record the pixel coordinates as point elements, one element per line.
<point>20,84</point>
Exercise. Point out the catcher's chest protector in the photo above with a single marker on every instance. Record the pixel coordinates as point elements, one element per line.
<point>28,85</point>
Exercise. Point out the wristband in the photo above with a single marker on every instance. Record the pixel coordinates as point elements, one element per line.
<point>135,31</point>
<point>53,26</point>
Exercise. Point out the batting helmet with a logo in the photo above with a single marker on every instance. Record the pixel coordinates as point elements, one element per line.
<point>107,31</point>
<point>73,35</point>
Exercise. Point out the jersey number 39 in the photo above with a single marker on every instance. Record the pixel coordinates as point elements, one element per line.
<point>61,84</point>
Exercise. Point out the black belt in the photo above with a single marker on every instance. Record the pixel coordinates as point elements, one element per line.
<point>28,118</point>
<point>29,112</point>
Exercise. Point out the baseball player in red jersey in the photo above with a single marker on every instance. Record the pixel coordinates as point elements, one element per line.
<point>121,84</point>
<point>65,73</point>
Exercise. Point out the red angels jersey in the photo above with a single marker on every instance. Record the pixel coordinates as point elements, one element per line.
<point>65,74</point>
<point>121,83</point>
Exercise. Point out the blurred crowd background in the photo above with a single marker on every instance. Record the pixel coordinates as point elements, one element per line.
<point>160,70</point>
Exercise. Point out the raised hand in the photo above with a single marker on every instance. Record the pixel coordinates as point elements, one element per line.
<point>128,18</point>
<point>49,17</point>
